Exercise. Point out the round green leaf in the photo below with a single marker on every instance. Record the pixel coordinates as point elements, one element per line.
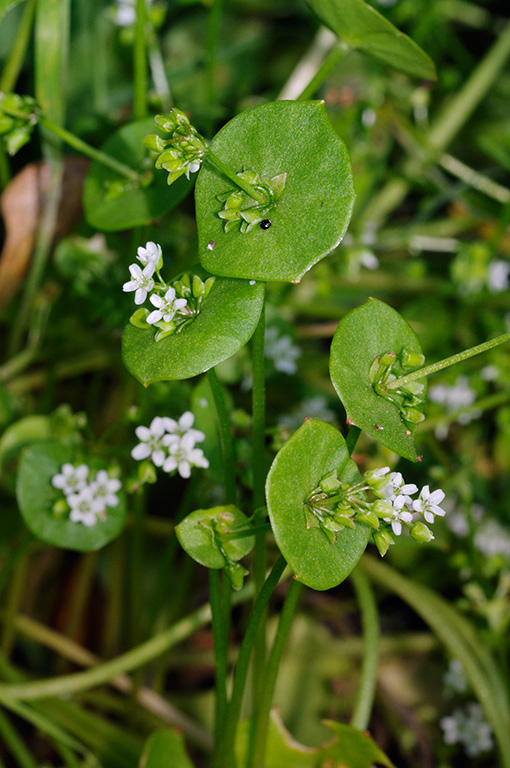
<point>227,320</point>
<point>313,212</point>
<point>362,27</point>
<point>314,450</point>
<point>37,496</point>
<point>370,330</point>
<point>113,202</point>
<point>194,534</point>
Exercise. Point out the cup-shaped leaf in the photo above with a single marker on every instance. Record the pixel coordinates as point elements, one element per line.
<point>37,498</point>
<point>112,201</point>
<point>227,320</point>
<point>366,332</point>
<point>197,538</point>
<point>362,27</point>
<point>312,452</point>
<point>313,211</point>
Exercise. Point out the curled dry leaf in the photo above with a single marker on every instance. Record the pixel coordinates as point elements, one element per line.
<point>21,205</point>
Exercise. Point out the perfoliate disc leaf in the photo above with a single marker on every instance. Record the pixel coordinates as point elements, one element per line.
<point>37,497</point>
<point>362,27</point>
<point>311,453</point>
<point>313,211</point>
<point>370,330</point>
<point>227,320</point>
<point>113,202</point>
<point>195,534</point>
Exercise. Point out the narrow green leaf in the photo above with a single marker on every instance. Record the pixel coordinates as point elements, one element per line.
<point>165,749</point>
<point>227,320</point>
<point>366,332</point>
<point>311,453</point>
<point>362,27</point>
<point>113,202</point>
<point>6,5</point>
<point>462,642</point>
<point>312,214</point>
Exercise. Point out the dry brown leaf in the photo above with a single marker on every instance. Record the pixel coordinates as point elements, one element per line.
<point>21,204</point>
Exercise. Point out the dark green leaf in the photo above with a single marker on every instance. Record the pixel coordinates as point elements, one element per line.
<point>113,202</point>
<point>195,535</point>
<point>370,330</point>
<point>165,749</point>
<point>227,320</point>
<point>311,216</point>
<point>37,496</point>
<point>6,5</point>
<point>362,27</point>
<point>311,453</point>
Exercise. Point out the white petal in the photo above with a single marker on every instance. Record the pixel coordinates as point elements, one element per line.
<point>141,451</point>
<point>179,304</point>
<point>140,295</point>
<point>170,295</point>
<point>409,488</point>
<point>170,424</point>
<point>157,301</point>
<point>418,505</point>
<point>429,517</point>
<point>157,426</point>
<point>132,285</point>
<point>436,497</point>
<point>425,492</point>
<point>158,457</point>
<point>438,511</point>
<point>186,420</point>
<point>148,270</point>
<point>135,271</point>
<point>58,481</point>
<point>170,464</point>
<point>154,317</point>
<point>397,527</point>
<point>143,433</point>
<point>184,469</point>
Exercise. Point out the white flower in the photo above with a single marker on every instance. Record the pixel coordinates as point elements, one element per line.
<point>428,503</point>
<point>183,456</point>
<point>151,254</point>
<point>85,507</point>
<point>498,276</point>
<point>398,490</point>
<point>455,678</point>
<point>105,487</point>
<point>281,350</point>
<point>492,538</point>
<point>166,307</point>
<point>468,727</point>
<point>182,428</point>
<point>125,15</point>
<point>142,282</point>
<point>401,514</point>
<point>192,168</point>
<point>151,444</point>
<point>455,396</point>
<point>71,479</point>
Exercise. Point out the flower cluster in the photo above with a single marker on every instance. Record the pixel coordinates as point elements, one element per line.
<point>335,505</point>
<point>171,444</point>
<point>407,398</point>
<point>467,726</point>
<point>87,494</point>
<point>183,152</point>
<point>239,208</point>
<point>281,350</point>
<point>175,304</point>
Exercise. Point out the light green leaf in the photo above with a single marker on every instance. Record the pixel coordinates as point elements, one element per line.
<point>370,330</point>
<point>28,430</point>
<point>37,496</point>
<point>350,749</point>
<point>227,320</point>
<point>311,453</point>
<point>6,5</point>
<point>113,202</point>
<point>486,678</point>
<point>165,749</point>
<point>362,27</point>
<point>313,212</point>
<point>194,534</point>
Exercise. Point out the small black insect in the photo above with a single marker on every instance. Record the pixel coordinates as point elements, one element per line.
<point>265,224</point>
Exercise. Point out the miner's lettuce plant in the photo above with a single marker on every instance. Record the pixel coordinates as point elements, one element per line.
<point>274,192</point>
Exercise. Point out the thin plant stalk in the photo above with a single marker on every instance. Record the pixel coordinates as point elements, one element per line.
<point>332,59</point>
<point>14,597</point>
<point>14,744</point>
<point>368,677</point>
<point>227,445</point>
<point>140,62</point>
<point>225,757</point>
<point>227,171</point>
<point>256,754</point>
<point>448,361</point>
<point>220,650</point>
<point>18,51</point>
<point>213,34</point>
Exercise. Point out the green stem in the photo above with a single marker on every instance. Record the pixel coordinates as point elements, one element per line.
<point>140,63</point>
<point>220,651</point>
<point>213,33</point>
<point>5,171</point>
<point>14,744</point>
<point>453,360</point>
<point>227,444</point>
<point>368,676</point>
<point>225,757</point>
<point>227,171</point>
<point>334,56</point>
<point>14,63</point>
<point>14,598</point>
<point>352,438</point>
<point>256,755</point>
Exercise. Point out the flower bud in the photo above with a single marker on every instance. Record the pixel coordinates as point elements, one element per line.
<point>329,482</point>
<point>235,573</point>
<point>387,359</point>
<point>421,533</point>
<point>412,415</point>
<point>208,285</point>
<point>410,358</point>
<point>368,518</point>
<point>382,541</point>
<point>154,143</point>
<point>382,508</point>
<point>344,520</point>
<point>198,287</point>
<point>60,508</point>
